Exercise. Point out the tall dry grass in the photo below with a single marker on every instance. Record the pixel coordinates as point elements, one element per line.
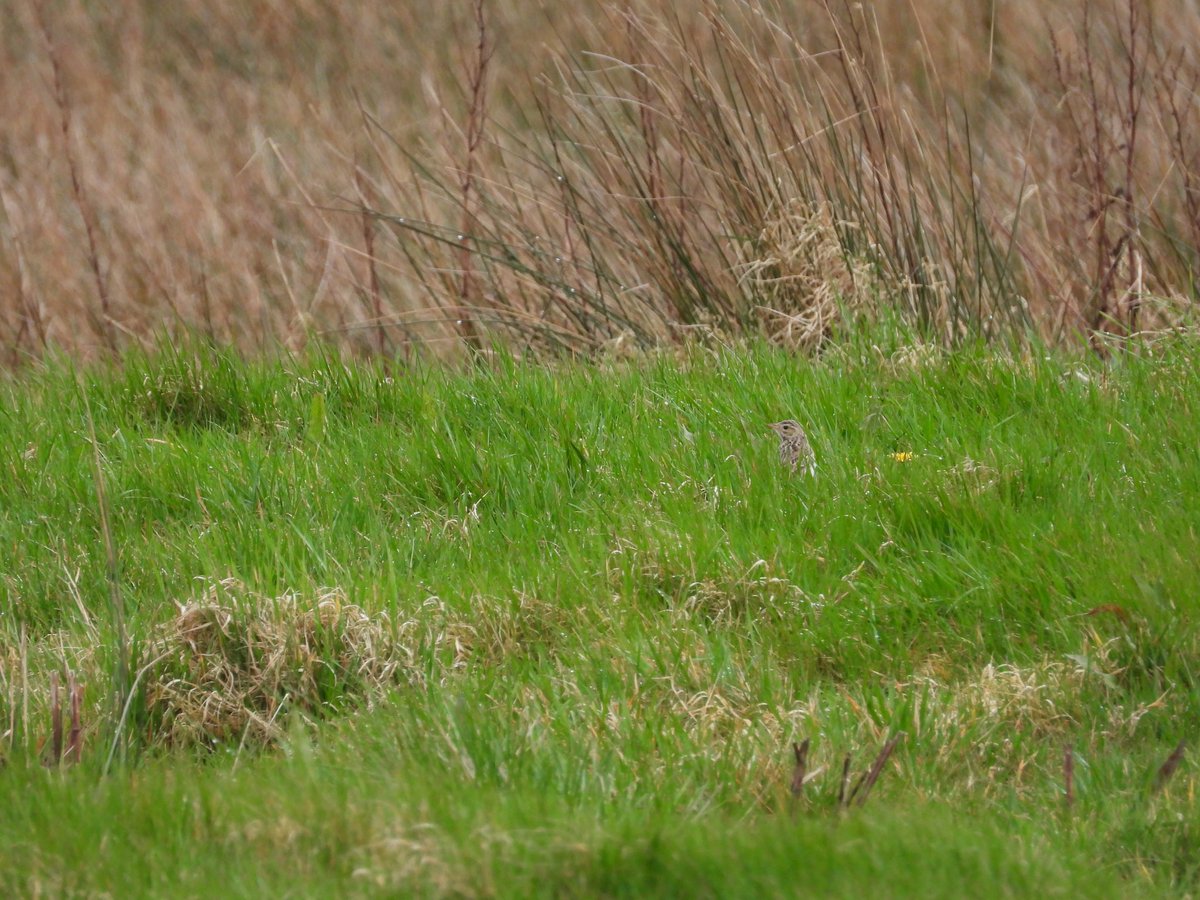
<point>206,138</point>
<point>386,175</point>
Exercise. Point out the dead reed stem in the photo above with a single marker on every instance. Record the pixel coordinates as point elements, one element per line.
<point>86,213</point>
<point>801,769</point>
<point>56,723</point>
<point>1069,776</point>
<point>1169,766</point>
<point>843,787</point>
<point>477,73</point>
<point>872,775</point>
<point>74,748</point>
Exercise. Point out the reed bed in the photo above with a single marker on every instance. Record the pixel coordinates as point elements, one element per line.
<point>571,179</point>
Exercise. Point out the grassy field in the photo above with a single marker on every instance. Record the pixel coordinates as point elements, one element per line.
<point>553,629</point>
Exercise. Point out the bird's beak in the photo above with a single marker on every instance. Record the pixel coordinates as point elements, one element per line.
<point>774,426</point>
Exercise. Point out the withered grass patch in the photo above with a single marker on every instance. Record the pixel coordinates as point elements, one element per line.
<point>232,664</point>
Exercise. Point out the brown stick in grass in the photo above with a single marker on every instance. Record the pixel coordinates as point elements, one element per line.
<point>1069,776</point>
<point>1167,769</point>
<point>842,795</point>
<point>801,751</point>
<point>867,781</point>
<point>56,723</point>
<point>74,749</point>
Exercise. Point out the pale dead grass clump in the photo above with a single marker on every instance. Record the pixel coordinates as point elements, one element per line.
<point>974,721</point>
<point>409,857</point>
<point>976,476</point>
<point>756,596</point>
<point>231,664</point>
<point>802,277</point>
<point>496,629</point>
<point>500,627</point>
<point>763,598</point>
<point>916,356</point>
<point>1042,700</point>
<point>991,729</point>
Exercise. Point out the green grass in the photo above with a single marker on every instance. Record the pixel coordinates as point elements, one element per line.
<point>533,630</point>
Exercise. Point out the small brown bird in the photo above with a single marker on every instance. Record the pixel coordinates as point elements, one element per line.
<point>794,448</point>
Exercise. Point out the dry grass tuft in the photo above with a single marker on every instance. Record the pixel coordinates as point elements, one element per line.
<point>230,665</point>
<point>1040,700</point>
<point>802,277</point>
<point>975,476</point>
<point>400,858</point>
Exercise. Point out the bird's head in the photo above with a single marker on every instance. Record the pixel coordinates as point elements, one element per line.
<point>788,428</point>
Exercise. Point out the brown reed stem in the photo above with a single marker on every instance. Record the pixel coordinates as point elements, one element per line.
<point>801,769</point>
<point>368,230</point>
<point>876,768</point>
<point>845,784</point>
<point>1069,776</point>
<point>74,749</point>
<point>1168,768</point>
<point>477,70</point>
<point>56,723</point>
<point>82,202</point>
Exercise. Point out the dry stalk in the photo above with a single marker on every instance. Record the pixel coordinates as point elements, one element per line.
<point>74,748</point>
<point>1117,314</point>
<point>65,745</point>
<point>477,70</point>
<point>1102,114</point>
<point>56,725</point>
<point>867,780</point>
<point>801,769</point>
<point>86,213</point>
<point>1168,768</point>
<point>368,230</point>
<point>1069,776</point>
<point>845,783</point>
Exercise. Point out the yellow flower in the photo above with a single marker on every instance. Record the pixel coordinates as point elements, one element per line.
<point>902,457</point>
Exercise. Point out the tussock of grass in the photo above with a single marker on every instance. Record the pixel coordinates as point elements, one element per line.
<point>226,666</point>
<point>802,277</point>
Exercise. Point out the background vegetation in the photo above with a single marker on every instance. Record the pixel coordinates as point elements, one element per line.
<point>574,177</point>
